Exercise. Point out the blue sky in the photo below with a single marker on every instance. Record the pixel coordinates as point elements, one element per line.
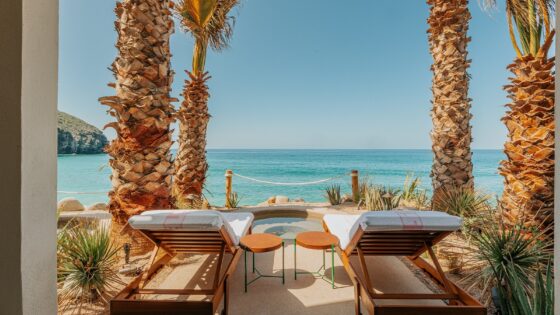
<point>304,73</point>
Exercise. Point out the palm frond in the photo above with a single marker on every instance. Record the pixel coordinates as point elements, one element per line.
<point>529,23</point>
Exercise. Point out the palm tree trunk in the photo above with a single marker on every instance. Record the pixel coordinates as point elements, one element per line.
<point>190,163</point>
<point>139,156</point>
<point>529,167</point>
<point>451,133</point>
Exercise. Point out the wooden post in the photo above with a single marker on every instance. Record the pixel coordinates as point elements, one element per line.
<point>229,175</point>
<point>355,186</point>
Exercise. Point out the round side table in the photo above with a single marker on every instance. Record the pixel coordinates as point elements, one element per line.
<point>261,243</point>
<point>318,241</point>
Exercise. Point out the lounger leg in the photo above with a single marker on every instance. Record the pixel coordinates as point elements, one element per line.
<point>226,296</point>
<point>332,265</point>
<point>357,297</point>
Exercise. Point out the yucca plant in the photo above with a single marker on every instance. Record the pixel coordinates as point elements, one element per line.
<point>528,170</point>
<point>462,202</point>
<point>515,300</point>
<point>86,261</point>
<point>233,200</point>
<point>210,24</point>
<point>378,197</point>
<point>505,255</point>
<point>332,193</point>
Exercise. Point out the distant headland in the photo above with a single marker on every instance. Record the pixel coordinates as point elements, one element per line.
<point>76,136</point>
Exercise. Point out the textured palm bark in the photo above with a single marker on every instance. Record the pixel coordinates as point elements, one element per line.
<point>190,163</point>
<point>140,155</point>
<point>451,133</point>
<point>529,168</point>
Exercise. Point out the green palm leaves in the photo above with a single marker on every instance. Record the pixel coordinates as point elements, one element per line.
<point>209,23</point>
<point>529,25</point>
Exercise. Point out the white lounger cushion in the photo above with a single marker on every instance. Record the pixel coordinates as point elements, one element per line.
<point>344,226</point>
<point>236,224</point>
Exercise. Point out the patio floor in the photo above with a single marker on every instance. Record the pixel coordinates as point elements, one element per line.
<point>306,295</point>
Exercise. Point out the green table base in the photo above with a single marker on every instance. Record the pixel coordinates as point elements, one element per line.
<point>321,273</point>
<point>259,274</point>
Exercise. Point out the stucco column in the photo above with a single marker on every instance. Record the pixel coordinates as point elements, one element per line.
<point>28,89</point>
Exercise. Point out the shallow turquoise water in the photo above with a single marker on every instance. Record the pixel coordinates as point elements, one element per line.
<point>90,173</point>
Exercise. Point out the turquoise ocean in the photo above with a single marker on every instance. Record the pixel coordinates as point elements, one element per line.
<point>88,175</point>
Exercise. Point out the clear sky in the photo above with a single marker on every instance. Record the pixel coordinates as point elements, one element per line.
<point>304,73</point>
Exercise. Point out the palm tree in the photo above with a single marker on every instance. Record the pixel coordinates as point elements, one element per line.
<point>210,25</point>
<point>139,156</point>
<point>528,169</point>
<point>451,133</point>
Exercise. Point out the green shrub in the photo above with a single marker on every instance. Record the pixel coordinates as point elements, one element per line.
<point>233,200</point>
<point>332,193</point>
<point>86,258</point>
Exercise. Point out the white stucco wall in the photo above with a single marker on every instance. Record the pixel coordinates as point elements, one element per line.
<point>39,145</point>
<point>28,116</point>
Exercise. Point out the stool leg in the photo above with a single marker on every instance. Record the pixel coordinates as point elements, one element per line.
<point>332,265</point>
<point>253,262</point>
<point>295,260</point>
<point>283,277</point>
<point>324,267</point>
<point>245,255</point>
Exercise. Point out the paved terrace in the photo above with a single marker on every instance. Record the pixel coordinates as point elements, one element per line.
<point>306,295</point>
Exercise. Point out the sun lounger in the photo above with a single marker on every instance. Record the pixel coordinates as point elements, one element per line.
<point>184,231</point>
<point>399,233</point>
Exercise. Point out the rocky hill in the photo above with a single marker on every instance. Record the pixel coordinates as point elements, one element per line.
<point>76,136</point>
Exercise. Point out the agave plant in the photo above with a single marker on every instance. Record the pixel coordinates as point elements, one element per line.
<point>209,22</point>
<point>332,193</point>
<point>528,170</point>
<point>461,202</point>
<point>86,260</point>
<point>378,197</point>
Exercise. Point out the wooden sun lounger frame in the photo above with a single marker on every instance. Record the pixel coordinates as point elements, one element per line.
<point>411,244</point>
<point>172,242</point>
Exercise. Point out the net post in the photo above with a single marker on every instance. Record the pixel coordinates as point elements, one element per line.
<point>229,177</point>
<point>355,186</point>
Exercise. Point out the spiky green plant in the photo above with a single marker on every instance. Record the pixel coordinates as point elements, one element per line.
<point>515,300</point>
<point>506,255</point>
<point>378,197</point>
<point>332,193</point>
<point>461,202</point>
<point>86,260</point>
<point>233,200</point>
